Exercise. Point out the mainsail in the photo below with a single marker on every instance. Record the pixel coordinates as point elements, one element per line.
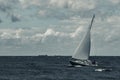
<point>82,52</point>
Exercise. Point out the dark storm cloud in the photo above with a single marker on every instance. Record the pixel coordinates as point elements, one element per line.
<point>15,18</point>
<point>4,7</point>
<point>7,5</point>
<point>0,21</point>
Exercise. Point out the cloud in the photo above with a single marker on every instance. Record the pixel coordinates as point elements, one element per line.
<point>50,35</point>
<point>27,3</point>
<point>61,15</point>
<point>61,10</point>
<point>113,36</point>
<point>7,5</point>
<point>21,34</point>
<point>73,4</point>
<point>10,33</point>
<point>15,17</point>
<point>113,19</point>
<point>29,39</point>
<point>0,21</point>
<point>115,1</point>
<point>4,7</point>
<point>32,40</point>
<point>42,12</point>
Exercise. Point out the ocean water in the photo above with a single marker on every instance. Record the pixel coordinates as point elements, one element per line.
<point>56,68</point>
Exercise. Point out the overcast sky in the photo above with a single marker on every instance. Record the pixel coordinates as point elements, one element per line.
<point>55,27</point>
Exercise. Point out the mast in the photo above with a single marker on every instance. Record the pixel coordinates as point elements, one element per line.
<point>90,26</point>
<point>92,21</point>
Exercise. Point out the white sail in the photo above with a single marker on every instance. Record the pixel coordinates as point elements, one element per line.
<point>83,50</point>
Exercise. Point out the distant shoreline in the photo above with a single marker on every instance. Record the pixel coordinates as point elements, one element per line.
<point>47,56</point>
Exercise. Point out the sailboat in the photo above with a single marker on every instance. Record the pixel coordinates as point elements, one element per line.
<point>82,52</point>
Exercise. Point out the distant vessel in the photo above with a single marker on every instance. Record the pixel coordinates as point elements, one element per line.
<point>82,53</point>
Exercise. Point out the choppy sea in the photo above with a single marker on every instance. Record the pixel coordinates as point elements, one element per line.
<point>56,68</point>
